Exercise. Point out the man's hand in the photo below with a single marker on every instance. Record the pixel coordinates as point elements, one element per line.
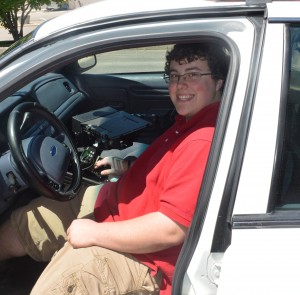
<point>81,233</point>
<point>117,166</point>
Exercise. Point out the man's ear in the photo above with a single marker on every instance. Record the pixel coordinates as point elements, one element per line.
<point>219,84</point>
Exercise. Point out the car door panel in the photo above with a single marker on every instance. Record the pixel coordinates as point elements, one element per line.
<point>261,261</point>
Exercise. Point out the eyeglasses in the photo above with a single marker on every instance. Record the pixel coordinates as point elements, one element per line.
<point>187,77</point>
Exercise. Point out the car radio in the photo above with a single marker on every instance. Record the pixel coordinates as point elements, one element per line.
<point>104,129</point>
<point>107,127</point>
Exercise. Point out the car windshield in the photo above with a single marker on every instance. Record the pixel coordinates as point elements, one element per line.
<point>17,44</point>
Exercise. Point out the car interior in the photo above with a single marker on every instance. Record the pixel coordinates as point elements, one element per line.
<point>99,105</point>
<point>105,111</point>
<point>114,114</point>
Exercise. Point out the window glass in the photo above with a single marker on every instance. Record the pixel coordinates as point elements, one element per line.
<point>133,60</point>
<point>287,194</point>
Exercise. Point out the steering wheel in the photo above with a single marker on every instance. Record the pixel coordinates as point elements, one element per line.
<point>44,160</point>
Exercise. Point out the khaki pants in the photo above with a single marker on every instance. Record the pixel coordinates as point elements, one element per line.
<point>95,270</point>
<point>42,224</point>
<point>41,228</point>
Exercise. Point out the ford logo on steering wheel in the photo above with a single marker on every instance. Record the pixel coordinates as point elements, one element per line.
<point>53,151</point>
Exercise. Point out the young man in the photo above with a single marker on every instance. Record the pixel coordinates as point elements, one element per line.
<point>132,242</point>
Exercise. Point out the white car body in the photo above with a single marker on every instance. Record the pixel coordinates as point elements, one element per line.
<point>238,242</point>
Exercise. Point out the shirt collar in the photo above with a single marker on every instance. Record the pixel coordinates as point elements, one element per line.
<point>208,114</point>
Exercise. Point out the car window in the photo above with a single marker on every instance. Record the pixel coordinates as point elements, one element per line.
<point>142,59</point>
<point>286,191</point>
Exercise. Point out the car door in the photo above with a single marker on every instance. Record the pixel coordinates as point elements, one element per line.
<point>260,246</point>
<point>197,270</point>
<point>250,238</point>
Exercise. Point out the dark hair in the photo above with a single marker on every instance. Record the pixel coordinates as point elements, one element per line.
<point>216,56</point>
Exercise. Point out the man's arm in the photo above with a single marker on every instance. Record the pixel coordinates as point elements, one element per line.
<point>145,234</point>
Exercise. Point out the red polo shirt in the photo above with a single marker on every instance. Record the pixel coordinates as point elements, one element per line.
<point>165,178</point>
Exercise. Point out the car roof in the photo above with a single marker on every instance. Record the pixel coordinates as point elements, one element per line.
<point>109,9</point>
<point>283,9</point>
<point>117,8</point>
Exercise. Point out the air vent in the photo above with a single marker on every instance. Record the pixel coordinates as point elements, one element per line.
<point>67,86</point>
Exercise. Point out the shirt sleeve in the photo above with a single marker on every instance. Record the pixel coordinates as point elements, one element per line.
<point>179,196</point>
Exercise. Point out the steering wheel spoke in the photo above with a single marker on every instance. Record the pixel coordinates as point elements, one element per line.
<point>57,187</point>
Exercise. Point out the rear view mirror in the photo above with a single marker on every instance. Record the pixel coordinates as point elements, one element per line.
<point>87,62</point>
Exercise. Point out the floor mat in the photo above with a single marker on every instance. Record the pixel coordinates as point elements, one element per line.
<point>18,275</point>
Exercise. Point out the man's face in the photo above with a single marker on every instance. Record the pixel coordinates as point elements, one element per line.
<point>190,95</point>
